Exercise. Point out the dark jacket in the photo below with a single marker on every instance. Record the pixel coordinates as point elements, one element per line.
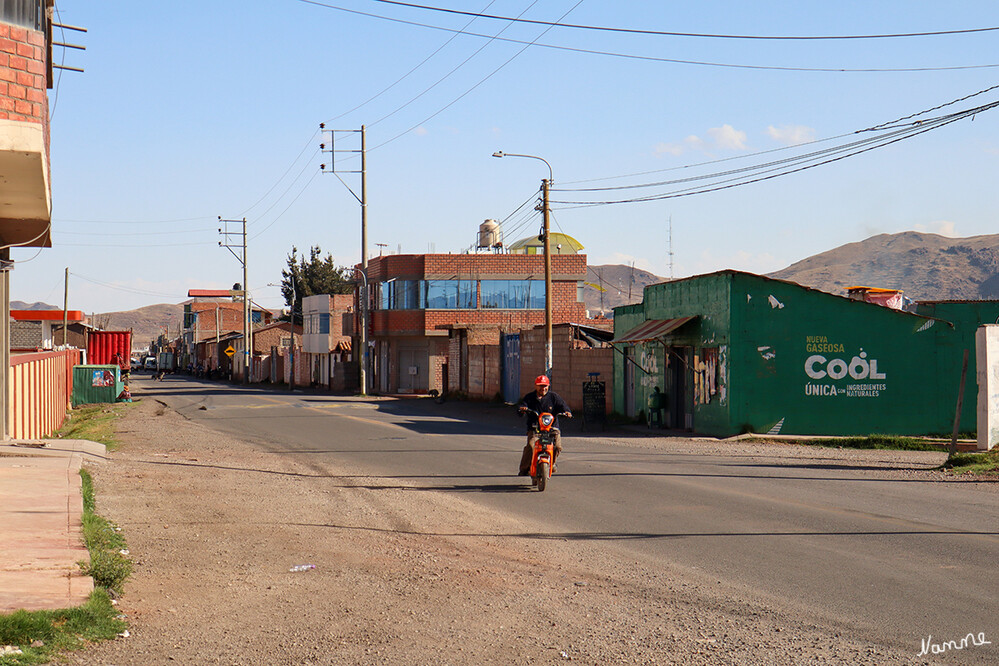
<point>551,403</point>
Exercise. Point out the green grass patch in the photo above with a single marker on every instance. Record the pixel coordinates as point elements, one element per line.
<point>94,422</point>
<point>109,564</point>
<point>59,630</point>
<point>974,464</point>
<point>41,635</point>
<point>882,442</point>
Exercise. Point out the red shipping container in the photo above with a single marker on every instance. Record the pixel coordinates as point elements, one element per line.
<point>110,348</point>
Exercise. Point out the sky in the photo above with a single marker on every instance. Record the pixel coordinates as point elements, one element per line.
<point>191,111</point>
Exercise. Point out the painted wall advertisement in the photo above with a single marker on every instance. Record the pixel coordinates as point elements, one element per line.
<point>834,370</point>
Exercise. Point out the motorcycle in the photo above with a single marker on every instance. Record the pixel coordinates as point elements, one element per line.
<point>543,457</point>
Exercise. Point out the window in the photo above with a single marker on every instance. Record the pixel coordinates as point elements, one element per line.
<point>449,294</point>
<point>513,294</point>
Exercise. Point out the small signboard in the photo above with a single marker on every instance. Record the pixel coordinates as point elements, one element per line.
<point>594,402</point>
<point>229,351</point>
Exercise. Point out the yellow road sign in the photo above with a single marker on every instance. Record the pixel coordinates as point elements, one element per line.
<point>229,351</point>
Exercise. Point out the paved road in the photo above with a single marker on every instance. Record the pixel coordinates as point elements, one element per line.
<point>892,561</point>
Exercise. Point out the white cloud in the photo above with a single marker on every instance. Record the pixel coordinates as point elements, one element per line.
<point>727,137</point>
<point>791,135</point>
<point>942,227</point>
<point>421,131</point>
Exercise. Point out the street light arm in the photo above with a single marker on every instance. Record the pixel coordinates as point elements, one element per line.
<point>551,178</point>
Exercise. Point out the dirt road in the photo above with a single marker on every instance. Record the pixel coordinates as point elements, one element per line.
<point>402,576</point>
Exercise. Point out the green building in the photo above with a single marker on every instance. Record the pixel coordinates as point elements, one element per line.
<point>734,352</point>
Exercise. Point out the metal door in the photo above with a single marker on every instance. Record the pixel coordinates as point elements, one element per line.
<point>413,366</point>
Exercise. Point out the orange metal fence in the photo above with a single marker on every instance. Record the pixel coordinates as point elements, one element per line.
<point>41,386</point>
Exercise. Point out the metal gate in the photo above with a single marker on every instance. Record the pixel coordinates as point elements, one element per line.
<point>511,368</point>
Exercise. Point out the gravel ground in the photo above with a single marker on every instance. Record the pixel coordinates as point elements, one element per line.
<point>409,577</point>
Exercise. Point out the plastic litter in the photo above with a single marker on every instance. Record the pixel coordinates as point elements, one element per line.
<point>302,567</point>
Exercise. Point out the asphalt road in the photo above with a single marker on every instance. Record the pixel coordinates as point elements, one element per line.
<point>891,560</point>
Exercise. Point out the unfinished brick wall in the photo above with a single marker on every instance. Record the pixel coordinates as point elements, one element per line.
<point>570,366</point>
<point>24,76</point>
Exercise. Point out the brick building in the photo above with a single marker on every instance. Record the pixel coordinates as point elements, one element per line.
<point>26,200</point>
<point>437,319</point>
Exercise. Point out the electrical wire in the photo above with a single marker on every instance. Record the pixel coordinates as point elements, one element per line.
<point>481,81</point>
<point>678,61</point>
<point>453,70</point>
<point>915,130</point>
<point>302,191</point>
<point>635,31</point>
<point>890,126</point>
<point>130,290</point>
<point>411,71</point>
<point>287,189</point>
<point>290,167</point>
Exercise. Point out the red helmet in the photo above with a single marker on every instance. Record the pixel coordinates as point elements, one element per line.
<point>542,380</point>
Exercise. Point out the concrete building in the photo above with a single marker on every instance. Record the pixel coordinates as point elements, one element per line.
<point>328,323</point>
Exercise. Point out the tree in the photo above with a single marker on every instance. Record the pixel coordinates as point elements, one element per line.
<point>315,275</point>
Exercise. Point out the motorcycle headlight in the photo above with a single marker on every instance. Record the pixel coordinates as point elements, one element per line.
<point>547,419</point>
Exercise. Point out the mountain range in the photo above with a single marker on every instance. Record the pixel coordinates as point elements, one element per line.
<point>924,266</point>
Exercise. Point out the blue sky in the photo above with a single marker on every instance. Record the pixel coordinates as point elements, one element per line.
<point>188,111</point>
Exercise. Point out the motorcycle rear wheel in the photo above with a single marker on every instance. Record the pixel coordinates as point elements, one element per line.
<point>542,476</point>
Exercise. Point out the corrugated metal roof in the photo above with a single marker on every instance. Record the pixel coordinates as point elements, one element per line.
<point>652,329</point>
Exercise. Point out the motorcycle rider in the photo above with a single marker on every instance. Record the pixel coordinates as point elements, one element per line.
<point>541,399</point>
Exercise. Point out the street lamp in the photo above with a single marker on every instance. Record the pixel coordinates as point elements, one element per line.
<point>545,210</point>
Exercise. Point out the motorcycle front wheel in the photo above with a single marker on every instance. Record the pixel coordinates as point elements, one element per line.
<point>542,476</point>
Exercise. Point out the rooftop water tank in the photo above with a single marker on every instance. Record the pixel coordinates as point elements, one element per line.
<point>488,233</point>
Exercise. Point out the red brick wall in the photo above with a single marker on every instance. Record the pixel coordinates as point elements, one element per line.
<point>23,75</point>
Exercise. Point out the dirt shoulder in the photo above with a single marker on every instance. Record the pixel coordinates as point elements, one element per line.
<point>402,575</point>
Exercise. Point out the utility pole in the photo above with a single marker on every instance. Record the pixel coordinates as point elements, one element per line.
<point>65,307</point>
<point>363,200</point>
<point>5,268</point>
<point>241,258</point>
<point>545,215</point>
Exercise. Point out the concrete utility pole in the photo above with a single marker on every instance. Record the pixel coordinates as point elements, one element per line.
<point>5,266</point>
<point>241,258</point>
<point>546,239</point>
<point>363,200</point>
<point>65,307</point>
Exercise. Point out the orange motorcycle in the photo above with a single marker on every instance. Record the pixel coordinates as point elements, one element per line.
<point>543,458</point>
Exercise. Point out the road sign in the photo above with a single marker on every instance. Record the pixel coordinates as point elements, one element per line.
<point>229,351</point>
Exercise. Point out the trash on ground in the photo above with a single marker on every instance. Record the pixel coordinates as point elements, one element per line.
<point>302,567</point>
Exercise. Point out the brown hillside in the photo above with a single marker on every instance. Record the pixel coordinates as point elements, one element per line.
<point>146,323</point>
<point>924,266</point>
<point>623,285</point>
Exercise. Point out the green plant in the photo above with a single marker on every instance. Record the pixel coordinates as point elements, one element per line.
<point>93,422</point>
<point>54,631</point>
<point>884,442</point>
<point>973,463</point>
<point>109,566</point>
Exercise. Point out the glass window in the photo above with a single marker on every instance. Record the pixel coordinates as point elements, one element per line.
<point>513,294</point>
<point>324,323</point>
<point>449,294</point>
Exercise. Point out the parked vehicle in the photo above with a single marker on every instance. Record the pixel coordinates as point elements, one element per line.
<point>149,364</point>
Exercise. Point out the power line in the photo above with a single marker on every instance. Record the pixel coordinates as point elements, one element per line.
<point>453,70</point>
<point>663,33</point>
<point>914,130</point>
<point>678,61</point>
<point>407,74</point>
<point>480,82</point>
